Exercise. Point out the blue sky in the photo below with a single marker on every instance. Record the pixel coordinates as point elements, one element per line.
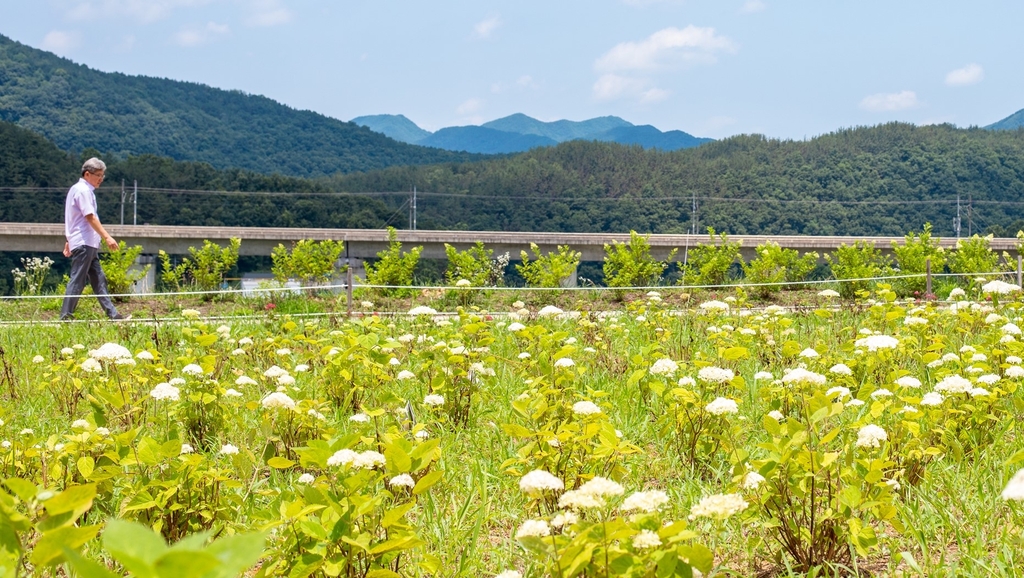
<point>710,68</point>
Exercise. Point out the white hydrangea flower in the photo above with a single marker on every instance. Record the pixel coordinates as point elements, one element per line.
<point>79,424</point>
<point>1014,489</point>
<point>533,528</point>
<point>809,353</point>
<point>278,400</point>
<point>882,392</point>
<point>870,436</point>
<point>648,501</point>
<point>954,384</point>
<point>979,392</point>
<point>359,418</point>
<point>524,355</point>
<point>840,369</point>
<point>664,366</point>
<point>549,311</point>
<point>229,450</point>
<point>110,352</point>
<point>988,378</point>
<point>752,481</point>
<point>855,402</point>
<point>232,393</point>
<point>876,342</point>
<point>186,449</point>
<point>509,574</point>
<point>914,321</point>
<point>646,539</point>
<point>342,458</point>
<point>585,408</point>
<point>712,374</point>
<point>763,375</point>
<point>776,415</point>
<point>714,306</point>
<point>838,390</point>
<point>38,359</point>
<point>1014,372</point>
<point>908,381</point>
<point>275,372</point>
<point>998,287</point>
<point>91,366</point>
<point>687,381</point>
<point>192,369</point>
<point>722,406</point>
<point>402,481</point>
<point>144,355</point>
<point>433,399</point>
<point>406,374</point>
<point>306,479</point>
<point>565,362</point>
<point>539,481</point>
<point>828,293</point>
<point>67,351</point>
<point>932,399</point>
<point>1013,360</point>
<point>564,519</point>
<point>800,375</point>
<point>718,506</point>
<point>422,310</point>
<point>244,380</point>
<point>165,392</point>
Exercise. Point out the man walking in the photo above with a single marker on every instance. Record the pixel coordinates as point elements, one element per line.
<point>84,233</point>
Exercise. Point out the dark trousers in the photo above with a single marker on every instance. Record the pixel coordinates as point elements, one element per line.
<point>85,267</point>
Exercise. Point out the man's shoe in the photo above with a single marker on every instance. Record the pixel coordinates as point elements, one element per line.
<point>119,317</point>
<point>67,318</point>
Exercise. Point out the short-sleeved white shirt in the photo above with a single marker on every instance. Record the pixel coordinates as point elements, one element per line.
<point>81,201</point>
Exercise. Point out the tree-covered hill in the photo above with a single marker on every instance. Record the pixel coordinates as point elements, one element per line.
<point>883,180</point>
<point>78,108</point>
<point>35,176</point>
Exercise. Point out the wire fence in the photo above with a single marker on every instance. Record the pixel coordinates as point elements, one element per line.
<point>261,292</point>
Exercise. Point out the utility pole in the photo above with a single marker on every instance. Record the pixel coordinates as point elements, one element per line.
<point>413,208</point>
<point>970,207</point>
<point>956,221</point>
<point>122,201</point>
<point>135,204</point>
<point>693,214</point>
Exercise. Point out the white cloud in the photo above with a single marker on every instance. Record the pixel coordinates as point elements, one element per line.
<point>60,42</point>
<point>485,28</point>
<point>667,46</point>
<point>753,6</point>
<point>614,87</point>
<point>145,11</point>
<point>526,81</point>
<point>266,13</point>
<point>470,106</point>
<point>966,76</point>
<point>889,102</point>
<point>198,35</point>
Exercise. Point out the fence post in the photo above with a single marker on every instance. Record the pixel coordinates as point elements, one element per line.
<point>927,276</point>
<point>1019,259</point>
<point>348,289</point>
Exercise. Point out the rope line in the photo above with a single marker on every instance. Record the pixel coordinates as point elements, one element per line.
<point>258,292</point>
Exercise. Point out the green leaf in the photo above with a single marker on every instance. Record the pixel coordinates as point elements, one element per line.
<point>398,459</point>
<point>149,451</point>
<point>134,546</point>
<point>1015,458</point>
<point>382,573</point>
<point>427,481</point>
<point>86,466</point>
<point>735,353</point>
<point>185,564</point>
<point>236,553</point>
<point>86,568</point>
<point>50,548</point>
<point>77,499</point>
<point>206,340</point>
<point>24,489</point>
<point>395,514</point>
<point>516,431</point>
<point>279,463</point>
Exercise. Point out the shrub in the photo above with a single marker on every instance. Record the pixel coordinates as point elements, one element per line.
<point>393,268</point>
<point>551,270</point>
<point>774,264</point>
<point>204,269</point>
<point>858,261</point>
<point>310,262</point>
<point>912,255</point>
<point>972,256</point>
<point>631,264</point>
<point>709,264</point>
<point>117,268</point>
<point>30,281</point>
<point>474,265</point>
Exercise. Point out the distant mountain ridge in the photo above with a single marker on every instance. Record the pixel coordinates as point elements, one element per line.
<point>78,108</point>
<point>519,133</point>
<point>1012,122</point>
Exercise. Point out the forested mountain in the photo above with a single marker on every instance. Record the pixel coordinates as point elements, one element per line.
<point>883,180</point>
<point>78,107</point>
<point>480,139</point>
<point>396,126</point>
<point>1012,122</point>
<point>35,176</point>
<point>520,133</point>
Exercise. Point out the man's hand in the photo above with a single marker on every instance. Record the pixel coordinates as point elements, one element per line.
<point>67,249</point>
<point>111,243</point>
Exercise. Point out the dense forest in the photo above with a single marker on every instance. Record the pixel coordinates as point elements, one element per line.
<point>78,108</point>
<point>883,180</point>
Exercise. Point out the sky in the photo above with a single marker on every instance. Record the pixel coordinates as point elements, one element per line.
<point>712,68</point>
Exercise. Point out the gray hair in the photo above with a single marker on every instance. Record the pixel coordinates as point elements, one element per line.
<point>93,165</point>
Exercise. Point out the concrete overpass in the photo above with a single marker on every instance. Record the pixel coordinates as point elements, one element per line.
<point>366,243</point>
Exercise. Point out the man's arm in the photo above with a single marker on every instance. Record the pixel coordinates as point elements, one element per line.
<point>94,222</point>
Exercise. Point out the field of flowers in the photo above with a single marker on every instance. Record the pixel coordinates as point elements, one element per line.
<point>669,438</point>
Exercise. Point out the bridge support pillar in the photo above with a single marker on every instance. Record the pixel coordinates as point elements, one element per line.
<point>147,284</point>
